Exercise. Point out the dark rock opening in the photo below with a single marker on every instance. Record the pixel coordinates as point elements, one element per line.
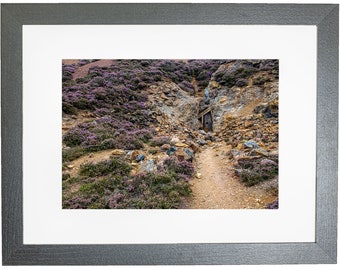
<point>206,119</point>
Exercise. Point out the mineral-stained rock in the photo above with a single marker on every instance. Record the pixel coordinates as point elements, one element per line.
<point>182,109</point>
<point>180,144</point>
<point>165,147</point>
<point>147,166</point>
<point>239,146</point>
<point>171,151</point>
<point>251,144</point>
<point>194,146</point>
<point>265,162</point>
<point>274,153</point>
<point>118,152</point>
<point>248,124</point>
<point>140,158</point>
<point>261,151</point>
<point>168,103</point>
<point>134,154</point>
<point>201,142</point>
<point>175,140</point>
<point>182,155</point>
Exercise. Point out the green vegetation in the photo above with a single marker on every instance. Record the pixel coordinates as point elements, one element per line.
<point>109,184</point>
<point>255,171</point>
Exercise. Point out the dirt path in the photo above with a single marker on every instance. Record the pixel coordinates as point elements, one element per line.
<point>218,188</point>
<point>82,71</point>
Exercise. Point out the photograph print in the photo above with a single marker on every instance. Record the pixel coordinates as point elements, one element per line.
<point>170,133</point>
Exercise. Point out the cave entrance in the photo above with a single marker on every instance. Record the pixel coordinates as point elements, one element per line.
<point>205,117</point>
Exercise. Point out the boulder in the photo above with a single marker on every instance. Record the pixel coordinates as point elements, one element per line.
<point>194,146</point>
<point>184,154</point>
<point>175,140</point>
<point>201,142</point>
<point>260,151</point>
<point>171,151</point>
<point>180,144</point>
<point>266,162</point>
<point>165,147</point>
<point>118,152</point>
<point>140,158</point>
<point>248,124</point>
<point>251,144</point>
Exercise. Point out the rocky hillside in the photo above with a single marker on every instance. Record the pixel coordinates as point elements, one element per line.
<point>133,128</point>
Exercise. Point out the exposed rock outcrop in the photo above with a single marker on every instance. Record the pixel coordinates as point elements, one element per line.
<point>173,105</point>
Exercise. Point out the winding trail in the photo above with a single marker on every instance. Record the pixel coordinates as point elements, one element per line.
<point>218,188</point>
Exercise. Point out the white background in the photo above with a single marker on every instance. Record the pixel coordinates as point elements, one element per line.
<point>44,220</point>
<point>252,267</point>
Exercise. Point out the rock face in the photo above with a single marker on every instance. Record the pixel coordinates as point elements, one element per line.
<point>239,87</point>
<point>174,105</point>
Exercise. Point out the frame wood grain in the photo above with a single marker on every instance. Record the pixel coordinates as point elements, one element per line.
<point>323,251</point>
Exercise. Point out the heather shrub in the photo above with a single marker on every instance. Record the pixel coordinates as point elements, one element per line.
<point>225,79</point>
<point>273,205</point>
<point>78,136</point>
<point>143,135</point>
<point>128,142</point>
<point>254,171</point>
<point>173,165</point>
<point>108,143</point>
<point>79,202</point>
<point>68,108</point>
<point>65,176</point>
<point>115,166</point>
<point>67,71</point>
<point>238,70</point>
<point>97,82</point>
<point>160,140</point>
<point>153,151</point>
<point>72,153</point>
<point>261,80</point>
<point>157,190</point>
<point>244,72</point>
<point>241,82</point>
<point>187,86</point>
<point>83,62</point>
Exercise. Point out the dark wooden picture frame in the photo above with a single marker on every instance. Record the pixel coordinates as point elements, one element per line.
<point>324,17</point>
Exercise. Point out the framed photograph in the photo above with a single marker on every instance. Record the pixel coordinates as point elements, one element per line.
<point>143,134</point>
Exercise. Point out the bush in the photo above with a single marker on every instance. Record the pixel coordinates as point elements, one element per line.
<point>172,165</point>
<point>159,141</point>
<point>68,108</point>
<point>254,171</point>
<point>273,205</point>
<point>237,73</point>
<point>153,151</point>
<point>65,176</point>
<point>244,72</point>
<point>78,136</point>
<point>261,80</point>
<point>115,166</point>
<point>79,202</point>
<point>187,86</point>
<point>158,190</point>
